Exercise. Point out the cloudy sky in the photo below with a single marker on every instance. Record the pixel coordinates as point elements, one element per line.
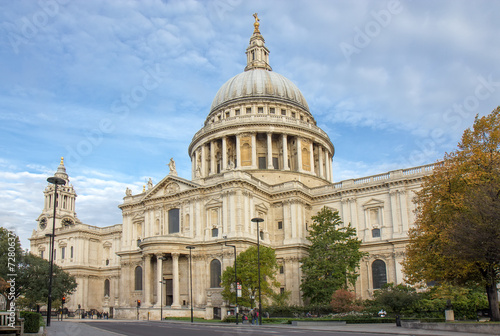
<point>120,87</point>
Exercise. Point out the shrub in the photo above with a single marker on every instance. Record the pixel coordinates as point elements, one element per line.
<point>344,301</point>
<point>31,321</point>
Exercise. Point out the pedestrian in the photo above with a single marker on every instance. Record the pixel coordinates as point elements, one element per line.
<point>255,316</point>
<point>252,315</point>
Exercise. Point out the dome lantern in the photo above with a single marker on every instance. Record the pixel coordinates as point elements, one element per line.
<point>257,53</point>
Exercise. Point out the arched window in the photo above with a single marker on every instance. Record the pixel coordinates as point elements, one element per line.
<point>379,274</point>
<point>138,278</point>
<point>215,273</point>
<point>106,287</point>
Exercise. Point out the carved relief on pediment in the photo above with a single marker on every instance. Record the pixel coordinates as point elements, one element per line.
<point>172,188</point>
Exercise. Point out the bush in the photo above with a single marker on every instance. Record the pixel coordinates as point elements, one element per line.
<point>344,301</point>
<point>31,321</point>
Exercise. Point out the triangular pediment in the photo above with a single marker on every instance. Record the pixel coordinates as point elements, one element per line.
<point>213,202</point>
<point>373,203</point>
<point>170,185</point>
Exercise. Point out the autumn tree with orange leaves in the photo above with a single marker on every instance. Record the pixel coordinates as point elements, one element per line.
<point>456,237</point>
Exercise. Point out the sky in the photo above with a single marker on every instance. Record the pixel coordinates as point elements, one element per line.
<point>118,88</point>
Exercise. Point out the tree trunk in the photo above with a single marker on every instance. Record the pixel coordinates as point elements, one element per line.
<point>491,289</point>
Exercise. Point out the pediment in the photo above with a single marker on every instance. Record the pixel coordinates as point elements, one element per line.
<point>373,203</point>
<point>214,202</point>
<point>170,185</point>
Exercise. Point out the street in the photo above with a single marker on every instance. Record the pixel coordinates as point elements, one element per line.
<point>144,328</point>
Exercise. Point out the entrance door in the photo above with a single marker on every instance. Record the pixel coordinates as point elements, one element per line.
<point>169,292</point>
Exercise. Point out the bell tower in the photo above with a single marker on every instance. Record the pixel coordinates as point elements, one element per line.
<point>65,203</point>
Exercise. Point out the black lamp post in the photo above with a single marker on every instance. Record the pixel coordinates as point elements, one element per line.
<point>258,220</point>
<point>191,248</point>
<point>55,181</point>
<point>235,279</point>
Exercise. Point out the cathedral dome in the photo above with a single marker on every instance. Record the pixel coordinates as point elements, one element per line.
<point>259,83</point>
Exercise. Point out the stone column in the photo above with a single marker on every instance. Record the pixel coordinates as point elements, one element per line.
<point>320,161</point>
<point>159,277</point>
<point>224,154</point>
<point>175,281</point>
<point>254,151</point>
<point>147,280</point>
<point>285,152</point>
<point>238,152</point>
<point>311,156</point>
<point>213,165</point>
<point>203,161</point>
<point>270,151</point>
<point>299,154</point>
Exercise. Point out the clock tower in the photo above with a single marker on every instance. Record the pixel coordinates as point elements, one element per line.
<point>65,203</point>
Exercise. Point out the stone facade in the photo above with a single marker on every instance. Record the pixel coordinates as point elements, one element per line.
<point>259,154</point>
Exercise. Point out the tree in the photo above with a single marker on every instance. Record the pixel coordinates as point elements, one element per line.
<point>333,258</point>
<point>247,275</point>
<point>10,255</point>
<point>456,237</point>
<point>33,280</point>
<point>396,298</point>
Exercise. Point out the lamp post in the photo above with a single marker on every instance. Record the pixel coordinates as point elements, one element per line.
<point>55,181</point>
<point>258,220</point>
<point>191,248</point>
<point>235,280</point>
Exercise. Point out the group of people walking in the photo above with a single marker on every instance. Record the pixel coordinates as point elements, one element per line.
<point>253,314</point>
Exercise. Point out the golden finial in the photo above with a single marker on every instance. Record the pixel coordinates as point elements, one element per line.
<point>256,23</point>
<point>143,188</point>
<point>62,161</point>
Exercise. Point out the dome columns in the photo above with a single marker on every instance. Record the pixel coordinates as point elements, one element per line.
<point>267,151</point>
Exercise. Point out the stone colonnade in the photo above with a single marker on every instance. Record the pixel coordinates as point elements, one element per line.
<point>262,150</point>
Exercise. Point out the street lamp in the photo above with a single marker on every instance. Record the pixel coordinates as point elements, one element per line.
<point>235,279</point>
<point>162,282</point>
<point>191,248</point>
<point>258,220</point>
<point>55,181</point>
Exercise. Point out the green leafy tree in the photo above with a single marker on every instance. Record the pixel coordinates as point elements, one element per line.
<point>396,299</point>
<point>456,237</point>
<point>247,274</point>
<point>33,280</point>
<point>333,258</point>
<point>11,254</point>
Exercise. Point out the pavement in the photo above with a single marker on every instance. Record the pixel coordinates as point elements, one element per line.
<point>79,327</point>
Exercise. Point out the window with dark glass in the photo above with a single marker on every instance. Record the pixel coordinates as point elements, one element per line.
<point>379,274</point>
<point>215,273</point>
<point>249,110</point>
<point>272,110</point>
<point>276,163</point>
<point>63,252</point>
<point>280,225</point>
<point>261,235</point>
<point>71,252</point>
<point>173,221</point>
<point>261,110</point>
<point>138,278</point>
<point>283,112</point>
<point>262,162</point>
<point>215,232</point>
<point>106,287</point>
<point>282,269</point>
<point>376,233</point>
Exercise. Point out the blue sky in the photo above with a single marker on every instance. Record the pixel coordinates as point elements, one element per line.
<point>120,87</point>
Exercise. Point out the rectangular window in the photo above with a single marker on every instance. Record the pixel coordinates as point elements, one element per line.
<point>262,162</point>
<point>237,112</point>
<point>261,110</point>
<point>63,252</point>
<point>293,114</point>
<point>71,252</point>
<point>376,233</point>
<point>283,112</point>
<point>272,110</point>
<point>215,232</point>
<point>249,110</point>
<point>173,221</point>
<point>41,254</point>
<point>282,290</point>
<point>282,269</point>
<point>276,163</point>
<point>280,225</point>
<point>227,115</point>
